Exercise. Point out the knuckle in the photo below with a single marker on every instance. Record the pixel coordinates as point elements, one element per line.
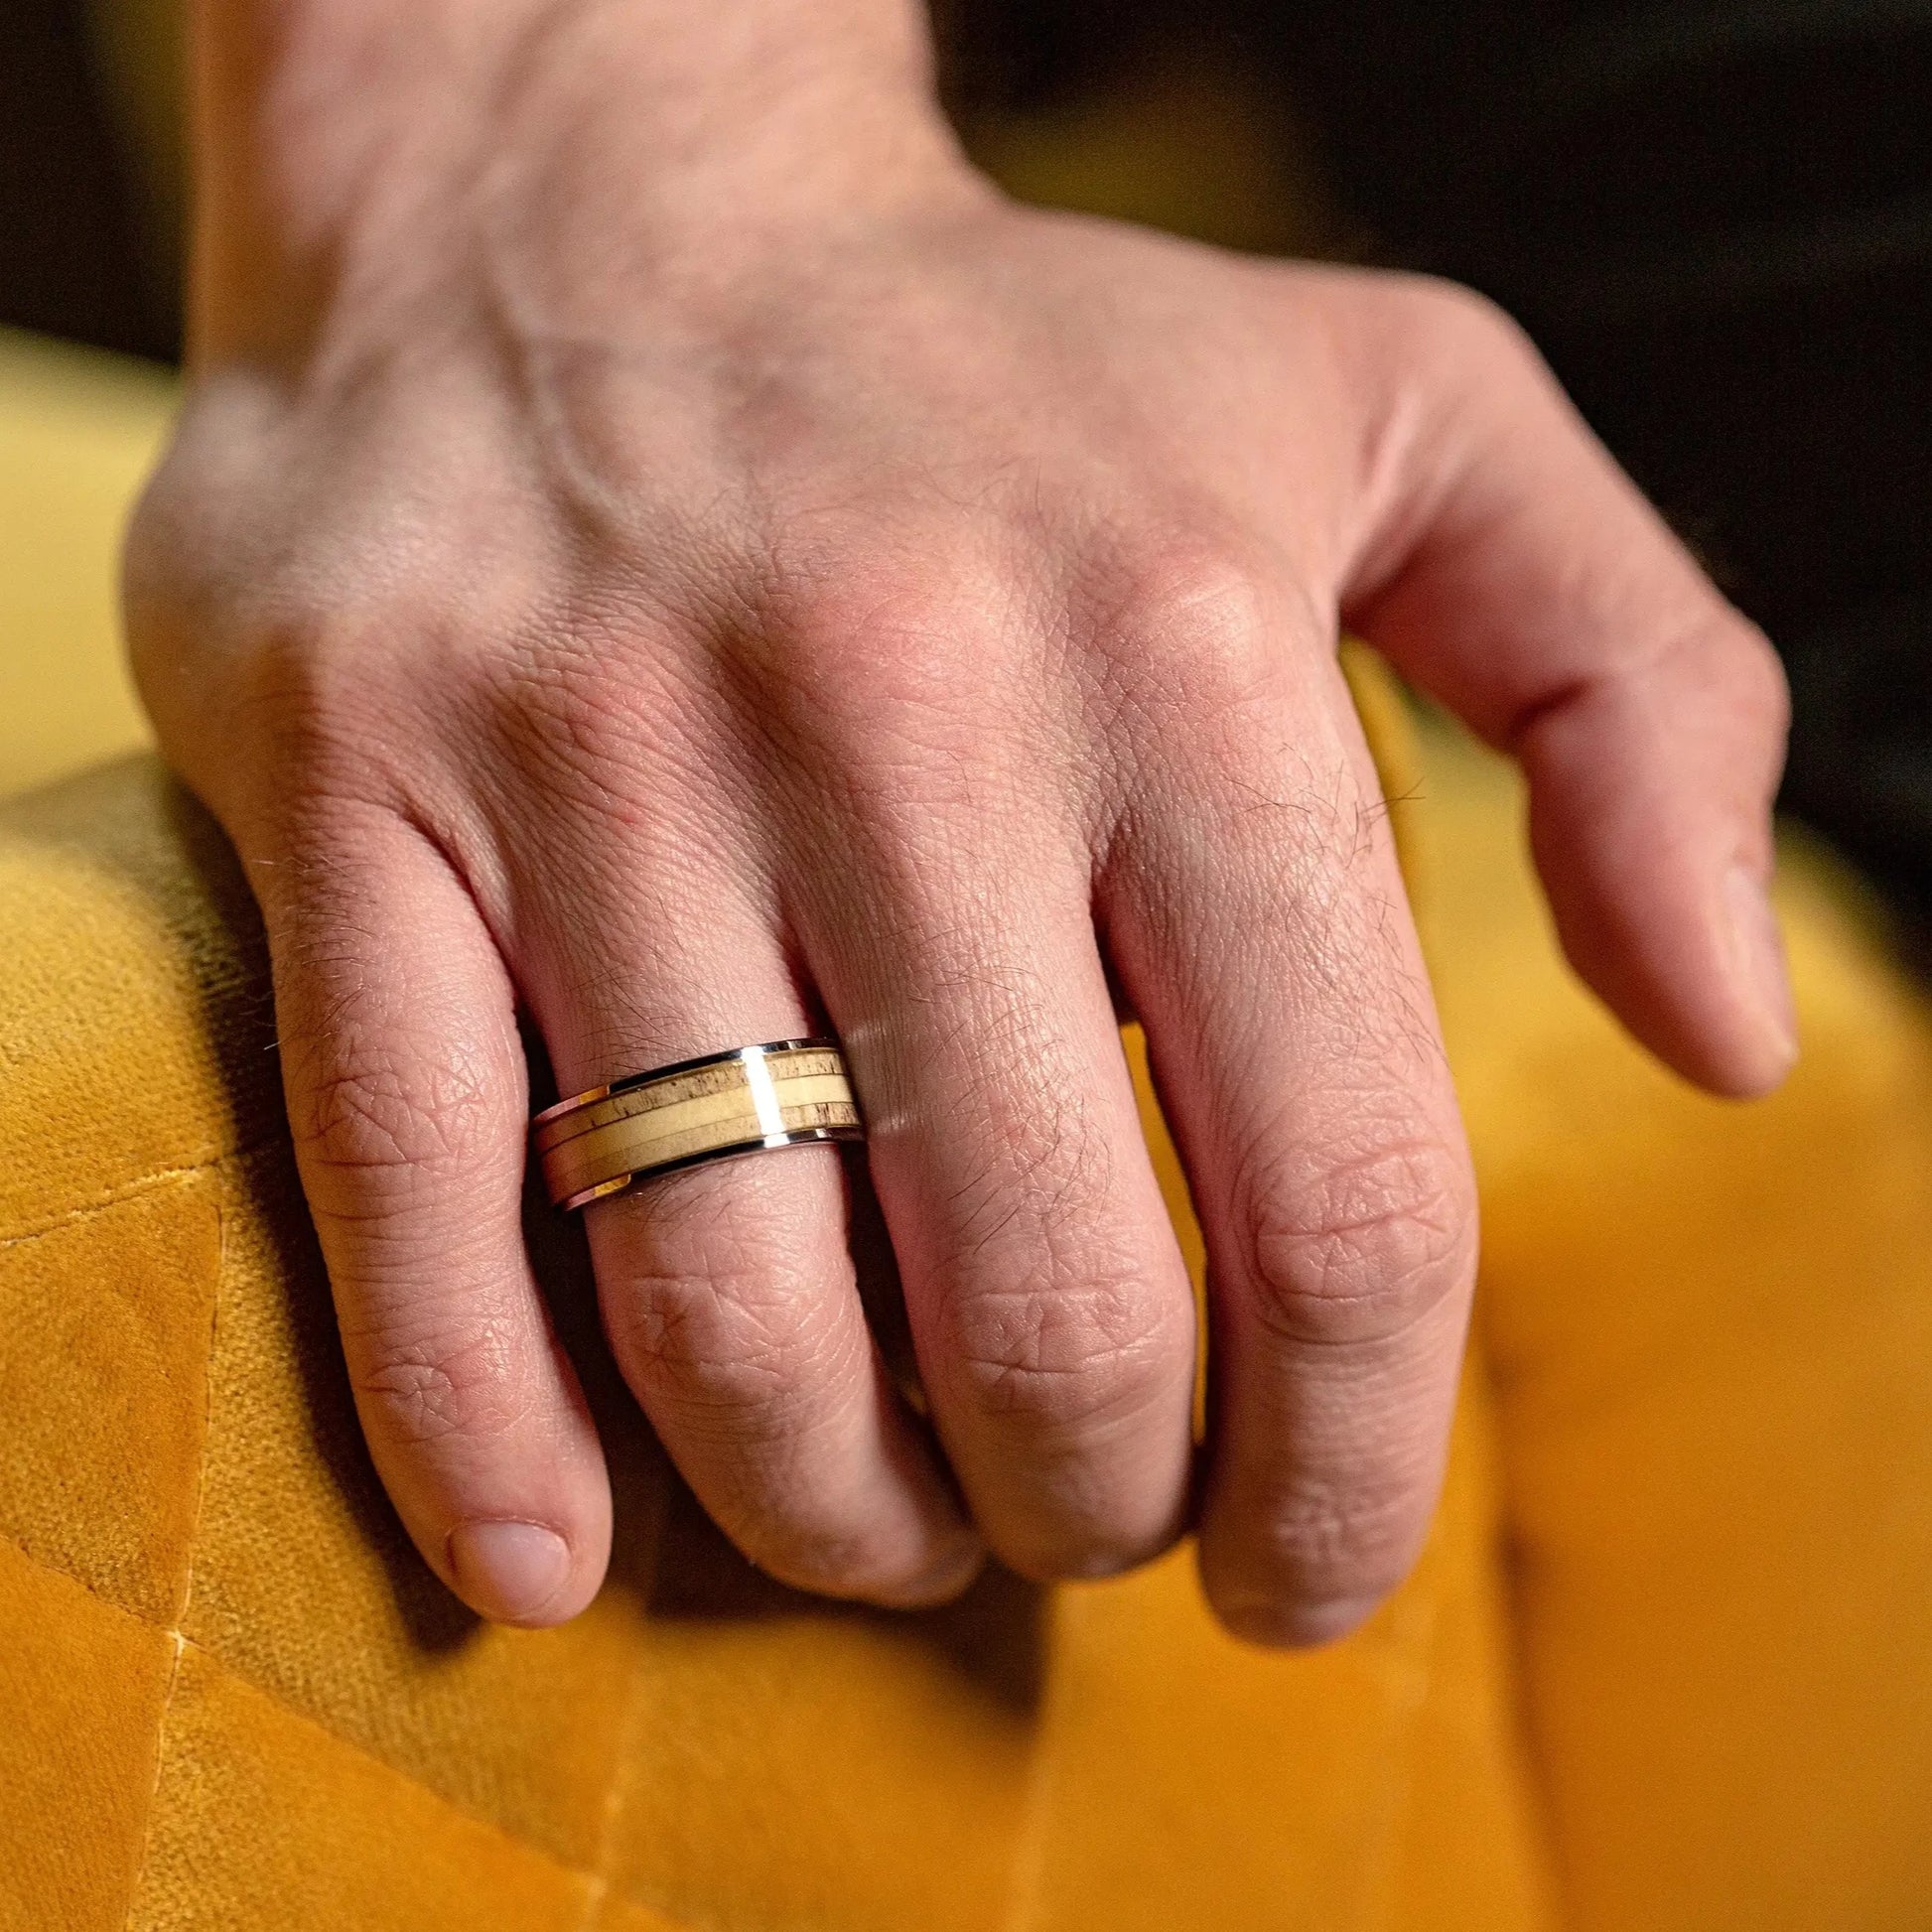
<point>1197,582</point>
<point>1365,1250</point>
<point>1202,616</point>
<point>893,699</point>
<point>1053,1324</point>
<point>880,644</point>
<point>163,566</point>
<point>1455,355</point>
<point>1762,686</point>
<point>432,1383</point>
<point>1465,329</point>
<point>744,1339</point>
<point>395,1112</point>
<point>1064,1358</point>
<point>1733,669</point>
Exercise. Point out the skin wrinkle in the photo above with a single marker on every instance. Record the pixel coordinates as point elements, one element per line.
<point>678,1331</point>
<point>1067,1364</point>
<point>1272,941</point>
<point>1368,1274</point>
<point>735,1305</point>
<point>438,1113</point>
<point>431,1401</point>
<point>1083,1343</point>
<point>1341,1542</point>
<point>1370,1510</point>
<point>772,1506</point>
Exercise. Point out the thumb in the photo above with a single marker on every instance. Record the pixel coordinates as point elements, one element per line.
<point>1508,567</point>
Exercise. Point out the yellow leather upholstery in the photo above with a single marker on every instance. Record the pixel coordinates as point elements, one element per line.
<point>1683,1553</point>
<point>1709,1333</point>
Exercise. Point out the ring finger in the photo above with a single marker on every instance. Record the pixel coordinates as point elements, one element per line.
<point>728,1288</point>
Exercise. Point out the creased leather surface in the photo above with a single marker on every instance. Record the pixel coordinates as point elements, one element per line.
<point>1709,1333</point>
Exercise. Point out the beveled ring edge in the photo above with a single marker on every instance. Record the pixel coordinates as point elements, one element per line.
<point>768,1143</point>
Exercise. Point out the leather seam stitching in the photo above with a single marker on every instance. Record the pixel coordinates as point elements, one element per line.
<point>185,1643</point>
<point>128,1190</point>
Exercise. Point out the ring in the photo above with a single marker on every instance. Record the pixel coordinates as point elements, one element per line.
<point>783,1093</point>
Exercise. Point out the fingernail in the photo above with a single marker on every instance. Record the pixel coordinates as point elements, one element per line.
<point>1760,948</point>
<point>1285,1626</point>
<point>509,1570</point>
<point>946,1576</point>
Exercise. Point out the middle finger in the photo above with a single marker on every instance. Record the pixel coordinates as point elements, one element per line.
<point>1049,1302</point>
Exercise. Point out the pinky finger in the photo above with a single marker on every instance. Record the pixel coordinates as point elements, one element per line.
<point>407,1095</point>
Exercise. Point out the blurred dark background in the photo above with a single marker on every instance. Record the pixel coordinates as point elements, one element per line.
<point>88,163</point>
<point>1714,216</point>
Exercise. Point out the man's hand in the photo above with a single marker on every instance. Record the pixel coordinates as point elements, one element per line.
<point>655,542</point>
